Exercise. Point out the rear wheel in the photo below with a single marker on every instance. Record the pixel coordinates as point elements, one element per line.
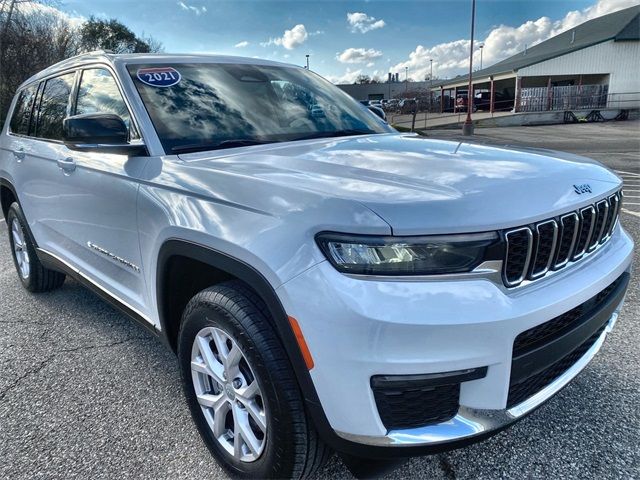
<point>241,390</point>
<point>33,275</point>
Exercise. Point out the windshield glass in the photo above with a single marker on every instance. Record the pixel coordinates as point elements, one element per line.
<point>206,106</point>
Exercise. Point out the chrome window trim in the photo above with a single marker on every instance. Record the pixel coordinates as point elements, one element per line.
<point>578,256</point>
<point>576,228</point>
<point>542,273</point>
<point>528,258</point>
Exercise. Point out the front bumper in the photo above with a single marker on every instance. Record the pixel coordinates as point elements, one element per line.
<point>358,328</point>
<point>469,422</point>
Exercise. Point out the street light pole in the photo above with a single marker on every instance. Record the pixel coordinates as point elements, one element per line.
<point>430,81</point>
<point>307,55</point>
<point>481,47</point>
<point>406,79</point>
<point>467,126</point>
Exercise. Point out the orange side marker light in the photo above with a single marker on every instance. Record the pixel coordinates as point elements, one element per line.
<point>302,343</point>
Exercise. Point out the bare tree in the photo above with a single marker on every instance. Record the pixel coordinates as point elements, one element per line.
<point>34,36</point>
<point>31,39</point>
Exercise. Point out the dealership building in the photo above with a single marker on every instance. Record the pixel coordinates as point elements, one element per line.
<point>593,65</point>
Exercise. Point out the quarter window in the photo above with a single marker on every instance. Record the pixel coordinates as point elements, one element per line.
<point>22,112</point>
<point>99,93</point>
<point>53,106</point>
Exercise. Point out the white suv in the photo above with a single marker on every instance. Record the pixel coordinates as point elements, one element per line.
<point>324,280</point>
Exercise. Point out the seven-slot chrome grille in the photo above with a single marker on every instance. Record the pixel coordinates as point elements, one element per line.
<point>534,250</point>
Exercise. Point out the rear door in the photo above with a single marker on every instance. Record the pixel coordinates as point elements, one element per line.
<point>97,202</point>
<point>35,145</point>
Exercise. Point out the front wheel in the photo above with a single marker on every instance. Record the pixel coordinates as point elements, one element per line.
<point>241,390</point>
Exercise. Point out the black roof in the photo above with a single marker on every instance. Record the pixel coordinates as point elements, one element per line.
<point>623,25</point>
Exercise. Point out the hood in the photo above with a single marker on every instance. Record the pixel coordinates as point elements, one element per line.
<point>419,185</point>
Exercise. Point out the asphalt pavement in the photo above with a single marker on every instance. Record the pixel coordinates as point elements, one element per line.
<point>87,393</point>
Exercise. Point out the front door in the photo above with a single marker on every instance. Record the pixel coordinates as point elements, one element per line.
<point>96,206</point>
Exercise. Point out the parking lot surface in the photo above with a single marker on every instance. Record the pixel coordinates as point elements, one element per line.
<point>86,393</point>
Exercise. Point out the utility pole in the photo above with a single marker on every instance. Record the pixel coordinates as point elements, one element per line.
<point>307,55</point>
<point>467,126</point>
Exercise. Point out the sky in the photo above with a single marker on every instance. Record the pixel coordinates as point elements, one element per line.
<point>347,38</point>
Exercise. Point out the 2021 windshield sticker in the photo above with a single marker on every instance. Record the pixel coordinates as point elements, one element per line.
<point>159,76</point>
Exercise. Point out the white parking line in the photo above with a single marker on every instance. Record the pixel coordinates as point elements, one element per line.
<point>623,173</point>
<point>635,214</point>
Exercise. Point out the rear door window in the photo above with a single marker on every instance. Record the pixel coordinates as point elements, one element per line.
<point>53,106</point>
<point>99,93</point>
<point>22,112</point>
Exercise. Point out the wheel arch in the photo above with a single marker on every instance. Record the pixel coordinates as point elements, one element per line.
<point>8,195</point>
<point>230,268</point>
<point>233,268</point>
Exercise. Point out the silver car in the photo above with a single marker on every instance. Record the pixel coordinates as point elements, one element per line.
<point>326,282</point>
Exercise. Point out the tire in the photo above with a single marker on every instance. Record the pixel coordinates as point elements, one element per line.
<point>33,275</point>
<point>290,446</point>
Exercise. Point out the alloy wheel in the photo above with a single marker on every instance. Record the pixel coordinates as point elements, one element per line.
<point>20,250</point>
<point>228,393</point>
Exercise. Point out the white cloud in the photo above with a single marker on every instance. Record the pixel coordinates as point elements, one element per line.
<point>452,58</point>
<point>348,77</point>
<point>291,38</point>
<point>73,19</point>
<point>242,44</point>
<point>192,8</point>
<point>363,23</point>
<point>358,55</point>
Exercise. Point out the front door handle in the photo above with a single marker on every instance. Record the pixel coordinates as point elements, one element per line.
<point>19,154</point>
<point>67,165</point>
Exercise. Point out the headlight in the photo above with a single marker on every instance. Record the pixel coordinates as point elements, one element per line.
<point>427,255</point>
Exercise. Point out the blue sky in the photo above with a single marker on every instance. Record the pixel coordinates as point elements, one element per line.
<point>346,38</point>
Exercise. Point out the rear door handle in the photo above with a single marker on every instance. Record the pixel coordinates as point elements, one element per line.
<point>19,154</point>
<point>67,165</point>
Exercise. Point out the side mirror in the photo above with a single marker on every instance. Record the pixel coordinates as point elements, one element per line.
<point>379,112</point>
<point>99,132</point>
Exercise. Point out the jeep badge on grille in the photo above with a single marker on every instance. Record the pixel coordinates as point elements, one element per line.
<point>584,188</point>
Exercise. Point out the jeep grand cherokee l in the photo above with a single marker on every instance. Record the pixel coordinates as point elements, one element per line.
<point>326,282</point>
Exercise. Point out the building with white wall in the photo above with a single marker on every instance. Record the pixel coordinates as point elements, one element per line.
<point>594,65</point>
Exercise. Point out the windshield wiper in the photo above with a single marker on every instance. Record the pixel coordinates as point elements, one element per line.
<point>337,133</point>
<point>240,142</point>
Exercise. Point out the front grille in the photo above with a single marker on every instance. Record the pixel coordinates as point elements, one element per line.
<point>535,337</point>
<point>519,392</point>
<point>533,250</point>
<point>537,344</point>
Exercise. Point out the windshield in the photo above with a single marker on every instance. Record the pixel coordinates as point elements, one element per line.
<point>206,106</point>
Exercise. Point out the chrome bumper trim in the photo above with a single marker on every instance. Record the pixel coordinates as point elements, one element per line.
<point>471,422</point>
